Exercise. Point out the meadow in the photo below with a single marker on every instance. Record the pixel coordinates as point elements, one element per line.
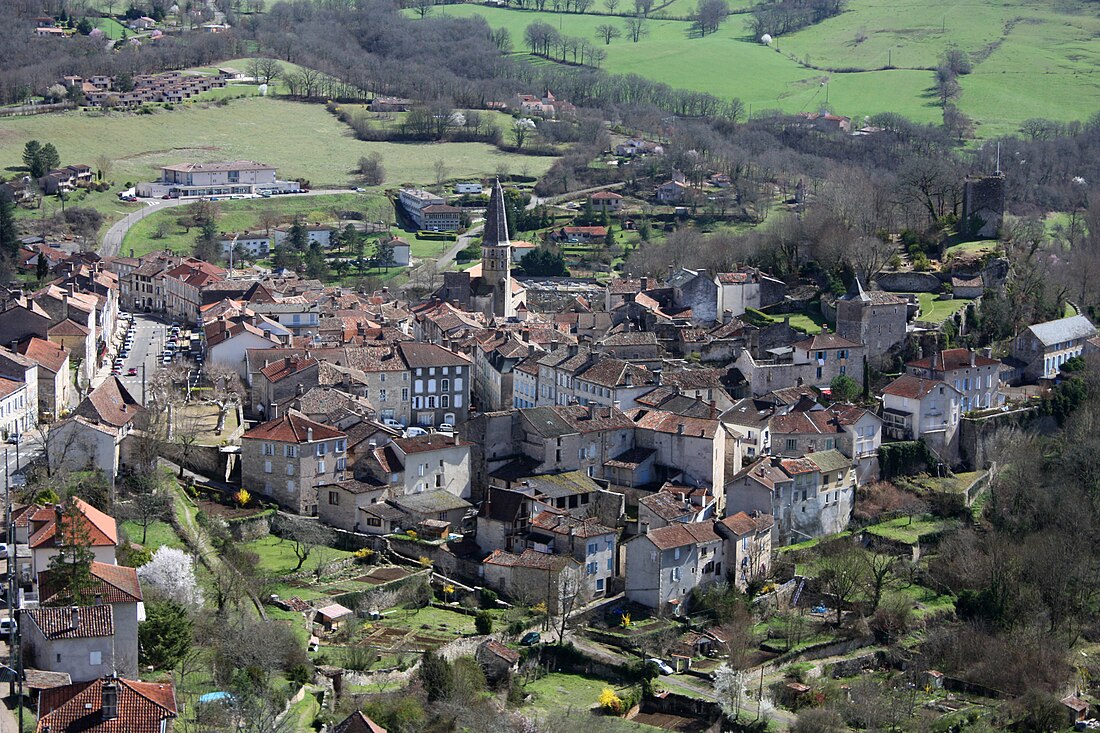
<point>1029,60</point>
<point>301,140</point>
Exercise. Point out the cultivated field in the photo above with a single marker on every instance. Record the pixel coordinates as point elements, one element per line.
<point>302,140</point>
<point>1029,60</point>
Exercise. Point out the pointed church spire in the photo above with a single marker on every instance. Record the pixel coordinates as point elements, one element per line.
<point>496,220</point>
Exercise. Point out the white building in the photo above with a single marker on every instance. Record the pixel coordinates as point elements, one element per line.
<point>241,177</point>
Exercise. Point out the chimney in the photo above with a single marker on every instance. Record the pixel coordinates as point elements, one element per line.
<point>973,358</point>
<point>645,283</point>
<point>680,429</point>
<point>644,527</point>
<point>987,352</point>
<point>309,435</point>
<point>75,618</point>
<point>300,390</point>
<point>286,361</point>
<point>64,305</point>
<point>109,703</point>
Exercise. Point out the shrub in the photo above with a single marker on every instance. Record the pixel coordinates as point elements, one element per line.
<point>610,702</point>
<point>488,598</point>
<point>484,623</point>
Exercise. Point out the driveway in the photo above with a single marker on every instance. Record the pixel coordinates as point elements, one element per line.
<point>112,240</point>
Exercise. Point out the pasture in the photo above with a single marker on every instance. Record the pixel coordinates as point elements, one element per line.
<point>1029,60</point>
<point>301,140</point>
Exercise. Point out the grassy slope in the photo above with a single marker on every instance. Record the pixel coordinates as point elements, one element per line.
<point>302,140</point>
<point>1042,65</point>
<point>237,216</point>
<point>277,556</point>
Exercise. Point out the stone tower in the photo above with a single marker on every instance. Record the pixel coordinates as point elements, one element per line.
<point>496,255</point>
<point>983,205</point>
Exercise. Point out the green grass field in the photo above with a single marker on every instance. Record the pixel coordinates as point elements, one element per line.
<point>277,556</point>
<point>111,28</point>
<point>579,694</point>
<point>1029,60</point>
<point>934,310</point>
<point>238,216</point>
<point>302,140</point>
<point>158,535</point>
<point>908,531</point>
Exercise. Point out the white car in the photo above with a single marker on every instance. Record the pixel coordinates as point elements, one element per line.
<point>8,625</point>
<point>662,667</point>
<point>389,422</point>
<point>446,428</point>
<point>413,432</point>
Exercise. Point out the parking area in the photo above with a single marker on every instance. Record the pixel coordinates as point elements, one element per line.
<point>149,344</point>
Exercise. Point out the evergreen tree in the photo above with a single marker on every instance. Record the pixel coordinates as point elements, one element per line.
<point>316,262</point>
<point>9,235</point>
<point>436,675</point>
<point>42,267</point>
<point>30,154</point>
<point>383,253</point>
<point>285,258</point>
<point>49,158</point>
<point>298,237</point>
<point>166,634</point>
<point>84,27</point>
<point>207,244</point>
<point>73,561</point>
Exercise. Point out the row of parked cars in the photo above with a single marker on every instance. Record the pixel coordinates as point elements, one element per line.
<point>414,430</point>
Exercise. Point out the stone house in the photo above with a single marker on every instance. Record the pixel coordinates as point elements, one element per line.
<point>280,380</point>
<point>664,565</point>
<point>748,546</point>
<point>976,376</point>
<point>808,497</point>
<point>106,704</point>
<point>695,290</point>
<point>77,640</point>
<point>751,418</point>
<point>607,202</point>
<point>747,288</point>
<point>923,409</point>
<point>440,383</point>
<point>287,458</point>
<point>585,540</point>
<point>814,361</point>
<point>532,577</point>
<point>351,505</point>
<point>504,518</point>
<point>53,382</point>
<point>1041,349</point>
<point>422,463</point>
<point>876,319</point>
<point>676,504</point>
<point>497,660</point>
<point>116,586</point>
<point>609,381</point>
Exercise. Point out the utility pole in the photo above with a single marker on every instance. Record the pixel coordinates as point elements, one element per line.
<point>143,364</point>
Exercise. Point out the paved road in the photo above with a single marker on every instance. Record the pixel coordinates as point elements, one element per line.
<point>112,240</point>
<point>145,354</point>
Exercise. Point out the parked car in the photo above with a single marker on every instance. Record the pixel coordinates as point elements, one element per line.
<point>446,428</point>
<point>661,666</point>
<point>412,432</point>
<point>131,372</point>
<point>389,422</point>
<point>531,638</point>
<point>8,625</point>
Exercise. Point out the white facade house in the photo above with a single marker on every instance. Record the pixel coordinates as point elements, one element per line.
<point>256,244</point>
<point>241,177</point>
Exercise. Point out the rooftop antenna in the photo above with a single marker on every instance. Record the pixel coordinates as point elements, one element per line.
<point>998,171</point>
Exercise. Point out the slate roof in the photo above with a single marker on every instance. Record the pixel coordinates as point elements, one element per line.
<point>614,373</point>
<point>671,423</point>
<point>564,524</point>
<point>497,649</point>
<point>502,505</point>
<point>1063,329</point>
<point>528,559</point>
<point>77,707</point>
<point>667,505</point>
<point>430,502</point>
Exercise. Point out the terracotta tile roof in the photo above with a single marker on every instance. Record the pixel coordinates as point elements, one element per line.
<point>293,427</point>
<point>68,327</point>
<point>742,524</point>
<point>551,422</point>
<point>43,352</point>
<point>681,535</point>
<point>630,338</point>
<point>432,441</point>
<point>499,650</point>
<point>605,195</point>
<point>631,458</point>
<point>825,341</point>
<point>102,530</point>
<point>286,367</point>
<point>913,388</point>
<point>111,584</point>
<point>73,622</point>
<point>667,505</point>
<point>617,373</point>
<point>667,422</point>
<point>565,524</point>
<point>9,386</point>
<point>795,466</point>
<point>692,378</point>
<point>142,706</point>
<point>529,559</point>
<point>765,473</point>
<point>109,403</point>
<point>951,359</point>
<point>618,286</point>
<point>358,722</point>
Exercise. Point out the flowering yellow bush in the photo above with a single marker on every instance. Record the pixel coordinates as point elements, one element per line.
<point>242,497</point>
<point>626,620</point>
<point>611,702</point>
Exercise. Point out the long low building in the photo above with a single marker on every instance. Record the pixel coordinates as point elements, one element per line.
<point>234,178</point>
